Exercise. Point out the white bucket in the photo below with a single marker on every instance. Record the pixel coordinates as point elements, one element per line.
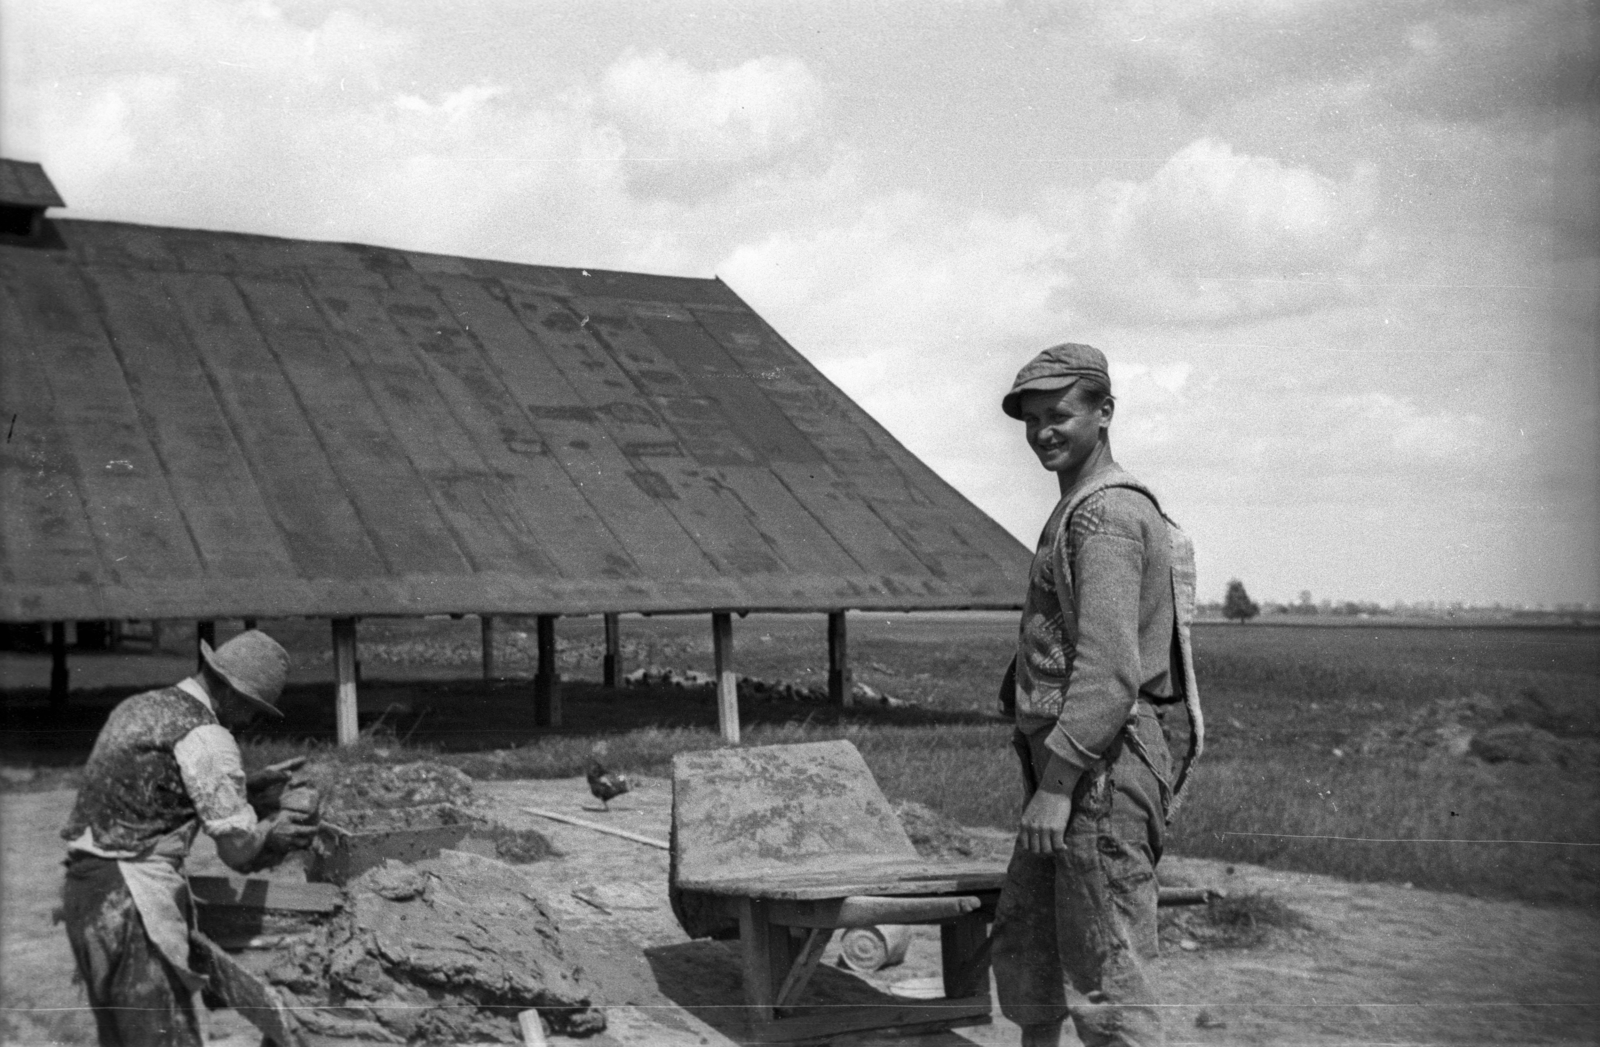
<point>866,949</point>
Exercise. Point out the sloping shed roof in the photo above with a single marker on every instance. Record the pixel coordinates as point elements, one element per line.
<point>23,184</point>
<point>206,424</point>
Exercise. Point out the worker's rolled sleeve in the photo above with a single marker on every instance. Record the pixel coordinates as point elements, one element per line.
<point>213,773</point>
<point>1107,574</point>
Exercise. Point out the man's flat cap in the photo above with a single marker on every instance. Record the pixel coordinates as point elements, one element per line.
<point>1056,368</point>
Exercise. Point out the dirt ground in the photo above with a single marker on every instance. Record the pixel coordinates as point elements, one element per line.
<point>1376,965</point>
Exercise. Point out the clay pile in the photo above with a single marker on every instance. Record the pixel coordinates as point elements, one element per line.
<point>349,788</point>
<point>447,950</point>
<point>1529,728</point>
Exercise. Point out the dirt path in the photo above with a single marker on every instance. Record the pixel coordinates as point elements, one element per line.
<point>1378,965</point>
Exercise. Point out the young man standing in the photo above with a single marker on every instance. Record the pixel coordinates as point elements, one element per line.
<point>165,766</point>
<point>1076,922</point>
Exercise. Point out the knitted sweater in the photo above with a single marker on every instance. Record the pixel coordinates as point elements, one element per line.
<point>1097,623</point>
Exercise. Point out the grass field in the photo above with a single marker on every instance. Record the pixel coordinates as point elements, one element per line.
<point>1341,751</point>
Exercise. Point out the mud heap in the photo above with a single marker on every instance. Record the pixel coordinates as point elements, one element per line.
<point>937,836</point>
<point>447,950</point>
<point>350,788</point>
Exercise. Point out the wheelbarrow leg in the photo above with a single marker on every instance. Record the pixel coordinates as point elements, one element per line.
<point>964,955</point>
<point>766,950</point>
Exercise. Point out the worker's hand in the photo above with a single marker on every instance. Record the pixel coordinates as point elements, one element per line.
<point>289,831</point>
<point>1044,822</point>
<point>274,774</point>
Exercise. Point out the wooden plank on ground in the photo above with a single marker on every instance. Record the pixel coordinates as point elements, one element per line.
<point>905,1018</point>
<point>255,1000</point>
<point>258,892</point>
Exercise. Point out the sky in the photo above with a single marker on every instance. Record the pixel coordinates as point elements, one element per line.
<point>1342,254</point>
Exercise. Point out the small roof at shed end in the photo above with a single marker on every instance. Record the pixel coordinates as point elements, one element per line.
<point>207,424</point>
<point>24,184</point>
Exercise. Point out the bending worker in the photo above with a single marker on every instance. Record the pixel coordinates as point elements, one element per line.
<point>164,766</point>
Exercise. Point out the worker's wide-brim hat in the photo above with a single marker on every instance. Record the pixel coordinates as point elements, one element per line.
<point>1057,367</point>
<point>254,664</point>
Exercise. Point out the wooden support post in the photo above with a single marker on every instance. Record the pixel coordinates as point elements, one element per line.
<point>344,669</point>
<point>840,686</point>
<point>611,667</point>
<point>486,633</point>
<point>58,665</point>
<point>546,684</point>
<point>727,683</point>
<point>203,631</point>
<point>249,623</point>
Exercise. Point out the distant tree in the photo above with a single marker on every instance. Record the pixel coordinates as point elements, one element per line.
<point>1237,603</point>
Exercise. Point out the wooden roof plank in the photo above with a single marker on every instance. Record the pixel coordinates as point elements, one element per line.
<point>787,524</point>
<point>712,513</point>
<point>131,511</point>
<point>652,537</point>
<point>225,514</point>
<point>384,334</point>
<point>748,411</point>
<point>568,525</point>
<point>790,448</point>
<point>44,531</point>
<point>391,500</point>
<point>671,454</point>
<point>900,489</point>
<point>314,516</point>
<point>747,329</point>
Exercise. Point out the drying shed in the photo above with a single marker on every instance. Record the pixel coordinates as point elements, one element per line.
<point>208,425</point>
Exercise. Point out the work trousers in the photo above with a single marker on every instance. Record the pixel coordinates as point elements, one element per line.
<point>137,997</point>
<point>1073,932</point>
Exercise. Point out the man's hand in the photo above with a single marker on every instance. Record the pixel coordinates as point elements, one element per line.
<point>268,843</point>
<point>274,774</point>
<point>1044,821</point>
<point>289,831</point>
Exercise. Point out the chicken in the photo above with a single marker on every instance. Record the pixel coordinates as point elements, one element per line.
<point>605,785</point>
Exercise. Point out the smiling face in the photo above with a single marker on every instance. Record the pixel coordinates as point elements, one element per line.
<point>1064,427</point>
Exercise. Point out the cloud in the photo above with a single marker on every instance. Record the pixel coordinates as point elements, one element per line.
<point>685,125</point>
<point>336,126</point>
<point>1443,59</point>
<point>1216,236</point>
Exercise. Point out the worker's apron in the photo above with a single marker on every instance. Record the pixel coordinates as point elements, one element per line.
<point>156,883</point>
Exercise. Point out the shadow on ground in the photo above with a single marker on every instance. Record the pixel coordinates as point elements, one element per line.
<point>702,976</point>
